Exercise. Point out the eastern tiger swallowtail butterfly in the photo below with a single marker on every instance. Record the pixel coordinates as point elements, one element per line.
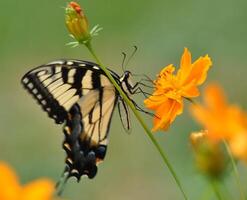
<point>80,95</point>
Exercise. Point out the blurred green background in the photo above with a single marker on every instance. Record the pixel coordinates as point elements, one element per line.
<point>33,33</point>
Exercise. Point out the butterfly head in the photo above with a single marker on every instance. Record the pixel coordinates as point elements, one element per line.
<point>127,74</point>
<point>126,82</point>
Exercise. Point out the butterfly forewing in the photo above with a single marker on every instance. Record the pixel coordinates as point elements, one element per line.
<point>57,86</point>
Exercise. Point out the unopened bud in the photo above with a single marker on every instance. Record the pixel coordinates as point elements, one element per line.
<point>77,23</point>
<point>210,158</point>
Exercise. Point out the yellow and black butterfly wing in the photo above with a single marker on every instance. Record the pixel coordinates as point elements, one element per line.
<point>58,85</point>
<point>86,133</point>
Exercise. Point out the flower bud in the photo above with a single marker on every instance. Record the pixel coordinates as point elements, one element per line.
<point>210,158</point>
<point>77,23</point>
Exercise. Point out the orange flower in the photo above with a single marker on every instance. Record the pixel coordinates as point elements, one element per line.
<point>170,89</point>
<point>10,188</point>
<point>223,121</point>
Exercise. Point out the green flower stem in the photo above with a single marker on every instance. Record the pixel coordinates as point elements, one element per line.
<point>235,170</point>
<point>216,189</point>
<point>131,105</point>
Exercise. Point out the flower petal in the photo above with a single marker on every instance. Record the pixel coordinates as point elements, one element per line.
<point>214,98</point>
<point>201,114</point>
<point>166,114</point>
<point>165,79</point>
<point>199,70</point>
<point>190,91</point>
<point>9,184</point>
<point>238,146</point>
<point>185,66</point>
<point>41,189</point>
<point>154,101</point>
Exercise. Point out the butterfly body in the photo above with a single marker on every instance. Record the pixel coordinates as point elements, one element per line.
<point>79,95</point>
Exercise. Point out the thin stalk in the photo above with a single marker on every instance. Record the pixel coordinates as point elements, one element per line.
<point>206,194</point>
<point>215,187</point>
<point>235,171</point>
<point>148,132</point>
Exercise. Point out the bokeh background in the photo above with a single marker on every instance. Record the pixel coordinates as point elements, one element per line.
<point>33,32</point>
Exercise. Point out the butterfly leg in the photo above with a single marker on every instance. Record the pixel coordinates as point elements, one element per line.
<point>137,89</point>
<point>142,110</point>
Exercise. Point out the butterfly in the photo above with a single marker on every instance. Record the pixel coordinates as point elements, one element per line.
<point>79,95</point>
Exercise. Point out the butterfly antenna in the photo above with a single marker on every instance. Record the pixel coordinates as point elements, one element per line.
<point>60,185</point>
<point>131,56</point>
<point>124,58</point>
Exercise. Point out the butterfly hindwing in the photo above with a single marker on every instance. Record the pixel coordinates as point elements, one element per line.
<point>86,143</point>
